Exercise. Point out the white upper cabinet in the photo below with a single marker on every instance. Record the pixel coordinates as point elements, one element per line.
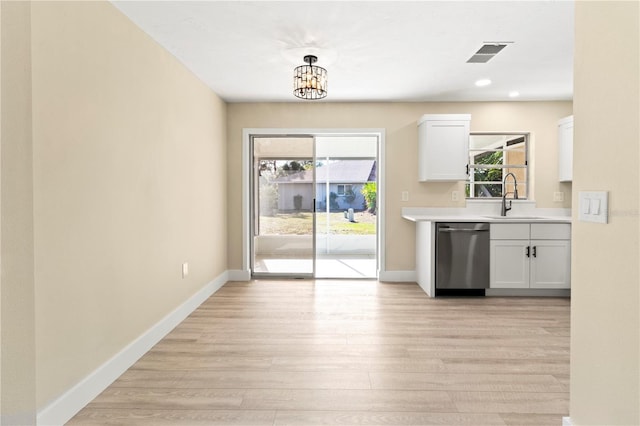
<point>565,149</point>
<point>443,147</point>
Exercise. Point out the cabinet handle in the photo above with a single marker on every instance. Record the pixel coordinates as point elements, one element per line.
<point>534,251</point>
<point>528,251</point>
<point>467,170</point>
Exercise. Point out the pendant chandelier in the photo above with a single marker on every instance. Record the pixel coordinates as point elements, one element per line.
<point>310,81</point>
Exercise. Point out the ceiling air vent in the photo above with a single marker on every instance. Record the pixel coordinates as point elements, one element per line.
<point>486,52</point>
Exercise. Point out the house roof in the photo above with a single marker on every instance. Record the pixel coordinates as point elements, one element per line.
<point>341,171</point>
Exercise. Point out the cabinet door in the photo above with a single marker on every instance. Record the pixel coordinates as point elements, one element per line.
<point>443,150</point>
<point>509,264</point>
<point>565,149</point>
<point>550,264</point>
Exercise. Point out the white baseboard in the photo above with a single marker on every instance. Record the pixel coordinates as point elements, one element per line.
<point>384,276</point>
<point>73,400</point>
<point>566,421</point>
<point>398,276</point>
<point>529,292</point>
<point>239,275</point>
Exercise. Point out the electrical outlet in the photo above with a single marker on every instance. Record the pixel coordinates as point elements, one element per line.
<point>405,195</point>
<point>558,197</point>
<point>185,269</point>
<point>455,196</point>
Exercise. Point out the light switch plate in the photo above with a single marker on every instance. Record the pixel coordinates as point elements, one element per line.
<point>593,206</point>
<point>405,195</point>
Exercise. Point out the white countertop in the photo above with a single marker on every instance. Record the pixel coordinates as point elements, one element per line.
<point>522,212</point>
<point>488,218</point>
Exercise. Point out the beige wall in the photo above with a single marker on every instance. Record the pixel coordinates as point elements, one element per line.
<point>17,329</point>
<point>1,215</point>
<point>129,159</point>
<point>605,325</point>
<point>399,121</point>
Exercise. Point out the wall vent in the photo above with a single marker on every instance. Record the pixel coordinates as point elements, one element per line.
<point>486,52</point>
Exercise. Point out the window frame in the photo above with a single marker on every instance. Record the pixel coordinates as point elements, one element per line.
<point>472,152</point>
<point>345,190</point>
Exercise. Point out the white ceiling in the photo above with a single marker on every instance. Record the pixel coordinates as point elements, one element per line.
<point>373,51</point>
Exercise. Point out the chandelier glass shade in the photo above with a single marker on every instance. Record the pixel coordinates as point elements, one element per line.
<point>310,81</point>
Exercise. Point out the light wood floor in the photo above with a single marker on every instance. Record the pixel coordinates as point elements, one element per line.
<point>349,353</point>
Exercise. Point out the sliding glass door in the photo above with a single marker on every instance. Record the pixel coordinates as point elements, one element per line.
<point>283,206</point>
<point>346,190</point>
<point>314,210</point>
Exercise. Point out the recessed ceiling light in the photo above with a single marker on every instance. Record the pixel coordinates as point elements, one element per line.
<point>483,82</point>
<point>514,94</point>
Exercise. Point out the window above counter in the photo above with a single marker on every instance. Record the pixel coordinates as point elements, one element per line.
<point>492,156</point>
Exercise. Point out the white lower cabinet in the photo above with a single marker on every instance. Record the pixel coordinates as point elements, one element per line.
<point>509,266</point>
<point>550,264</point>
<point>530,256</point>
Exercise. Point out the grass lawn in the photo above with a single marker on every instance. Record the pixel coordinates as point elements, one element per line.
<point>301,224</point>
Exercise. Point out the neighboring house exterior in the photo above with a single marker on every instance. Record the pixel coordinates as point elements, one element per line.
<point>345,178</point>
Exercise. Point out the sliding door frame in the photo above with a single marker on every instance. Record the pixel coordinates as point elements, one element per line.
<point>253,208</point>
<point>247,173</point>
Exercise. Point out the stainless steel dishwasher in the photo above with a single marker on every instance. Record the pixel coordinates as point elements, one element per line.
<point>462,258</point>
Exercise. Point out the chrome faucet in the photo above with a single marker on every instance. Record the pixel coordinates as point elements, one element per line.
<point>505,209</point>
